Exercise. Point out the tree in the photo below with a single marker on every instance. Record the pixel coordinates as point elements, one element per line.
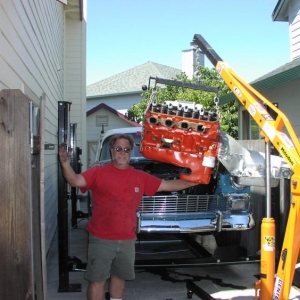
<point>228,112</point>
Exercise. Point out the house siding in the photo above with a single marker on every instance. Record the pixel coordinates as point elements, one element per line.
<point>282,84</point>
<point>75,83</point>
<point>28,49</point>
<point>287,97</point>
<point>294,29</point>
<point>32,59</point>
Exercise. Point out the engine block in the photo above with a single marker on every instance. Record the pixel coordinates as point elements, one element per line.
<point>183,134</point>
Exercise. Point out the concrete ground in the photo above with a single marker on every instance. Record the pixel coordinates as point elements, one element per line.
<point>235,281</point>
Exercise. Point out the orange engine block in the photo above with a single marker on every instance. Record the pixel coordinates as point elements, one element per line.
<point>183,134</point>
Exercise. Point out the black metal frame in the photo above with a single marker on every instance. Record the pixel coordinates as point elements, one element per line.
<point>63,197</point>
<point>178,83</point>
<point>76,165</point>
<point>199,255</point>
<point>194,288</point>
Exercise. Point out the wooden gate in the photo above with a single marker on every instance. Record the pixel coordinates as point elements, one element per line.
<point>20,235</point>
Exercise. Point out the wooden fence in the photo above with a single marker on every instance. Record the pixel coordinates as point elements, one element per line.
<point>20,235</point>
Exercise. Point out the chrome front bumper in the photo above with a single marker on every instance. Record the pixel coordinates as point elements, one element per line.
<point>193,213</point>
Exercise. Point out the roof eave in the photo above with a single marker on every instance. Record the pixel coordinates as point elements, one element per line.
<point>280,12</point>
<point>267,83</point>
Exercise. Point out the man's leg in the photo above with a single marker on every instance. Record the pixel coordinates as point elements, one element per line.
<point>116,287</point>
<point>96,290</point>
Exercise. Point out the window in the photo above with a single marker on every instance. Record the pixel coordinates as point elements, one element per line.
<point>254,130</point>
<point>249,129</point>
<point>101,121</point>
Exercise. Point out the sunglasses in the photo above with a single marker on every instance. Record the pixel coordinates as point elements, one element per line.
<point>120,149</point>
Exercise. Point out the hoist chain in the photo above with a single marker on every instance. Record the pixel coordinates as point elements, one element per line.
<point>152,99</point>
<point>216,101</point>
<point>152,96</point>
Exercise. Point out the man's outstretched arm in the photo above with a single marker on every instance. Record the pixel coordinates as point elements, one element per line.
<point>175,185</point>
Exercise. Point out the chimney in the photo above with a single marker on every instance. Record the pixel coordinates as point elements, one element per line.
<point>191,58</point>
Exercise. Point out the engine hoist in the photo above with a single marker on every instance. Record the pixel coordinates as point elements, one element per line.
<point>271,285</point>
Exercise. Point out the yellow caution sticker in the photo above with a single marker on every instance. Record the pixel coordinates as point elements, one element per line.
<point>269,243</point>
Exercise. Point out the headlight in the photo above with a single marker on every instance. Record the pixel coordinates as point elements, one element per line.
<point>238,202</point>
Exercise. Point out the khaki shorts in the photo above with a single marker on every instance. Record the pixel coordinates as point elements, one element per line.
<point>109,257</point>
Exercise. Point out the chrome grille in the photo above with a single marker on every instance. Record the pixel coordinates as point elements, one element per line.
<point>170,204</point>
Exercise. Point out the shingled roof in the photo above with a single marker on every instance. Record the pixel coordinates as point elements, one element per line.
<point>130,80</point>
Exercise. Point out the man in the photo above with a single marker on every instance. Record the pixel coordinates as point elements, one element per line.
<point>117,190</point>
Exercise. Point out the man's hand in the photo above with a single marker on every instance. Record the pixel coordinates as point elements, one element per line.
<point>64,155</point>
<point>75,180</point>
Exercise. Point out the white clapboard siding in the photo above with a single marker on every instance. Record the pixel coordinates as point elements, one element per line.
<point>294,17</point>
<point>75,84</point>
<point>34,40</point>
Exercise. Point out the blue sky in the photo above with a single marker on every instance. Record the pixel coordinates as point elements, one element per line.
<point>124,34</point>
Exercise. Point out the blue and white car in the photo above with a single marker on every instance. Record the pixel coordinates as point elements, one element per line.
<point>220,207</point>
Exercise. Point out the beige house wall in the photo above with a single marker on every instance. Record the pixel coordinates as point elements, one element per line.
<point>38,39</point>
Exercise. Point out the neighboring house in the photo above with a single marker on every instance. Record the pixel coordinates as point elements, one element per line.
<point>282,85</point>
<point>108,100</point>
<point>289,11</point>
<point>123,90</point>
<point>42,56</point>
<point>100,119</point>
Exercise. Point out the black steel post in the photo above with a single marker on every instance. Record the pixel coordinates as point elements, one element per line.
<point>62,214</point>
<point>74,164</point>
<point>194,288</point>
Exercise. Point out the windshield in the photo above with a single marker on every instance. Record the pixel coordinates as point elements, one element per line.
<point>105,153</point>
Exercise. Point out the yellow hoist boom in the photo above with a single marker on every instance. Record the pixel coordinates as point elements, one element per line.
<point>271,286</point>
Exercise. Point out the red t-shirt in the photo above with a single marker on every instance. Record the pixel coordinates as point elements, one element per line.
<point>116,196</point>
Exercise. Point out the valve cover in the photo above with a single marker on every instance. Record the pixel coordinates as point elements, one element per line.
<point>183,134</point>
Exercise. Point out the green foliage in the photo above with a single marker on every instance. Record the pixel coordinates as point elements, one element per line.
<point>208,77</point>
